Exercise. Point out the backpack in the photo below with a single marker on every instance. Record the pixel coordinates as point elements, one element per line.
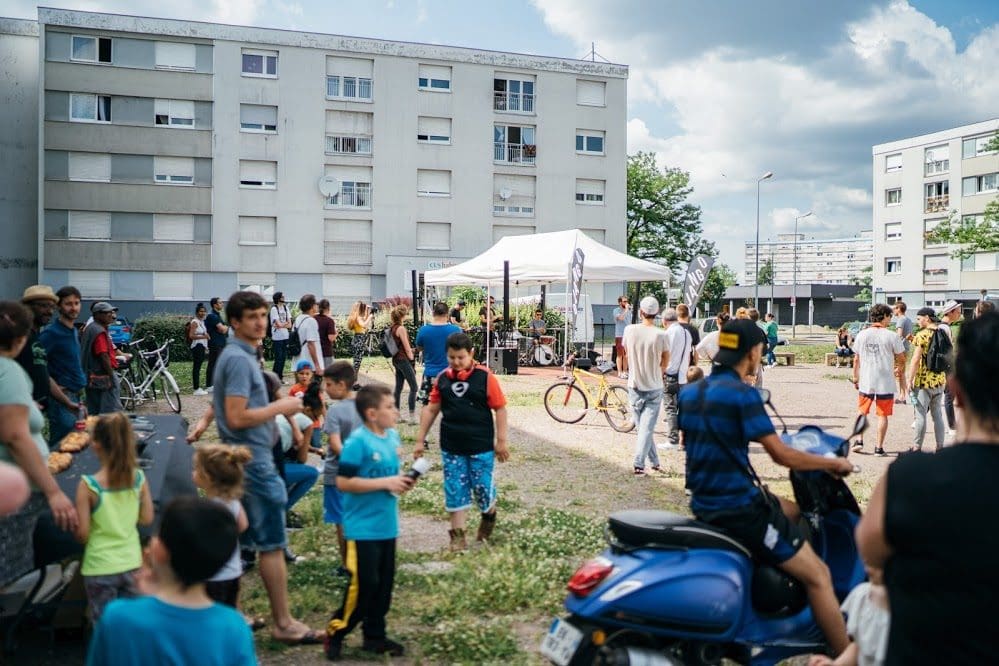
<point>389,346</point>
<point>294,347</point>
<point>940,353</point>
<point>187,333</point>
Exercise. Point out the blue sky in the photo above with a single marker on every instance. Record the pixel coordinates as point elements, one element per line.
<point>803,89</point>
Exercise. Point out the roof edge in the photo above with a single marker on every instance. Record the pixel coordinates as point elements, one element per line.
<point>16,26</point>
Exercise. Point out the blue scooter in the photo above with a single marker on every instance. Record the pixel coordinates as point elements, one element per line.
<point>673,591</point>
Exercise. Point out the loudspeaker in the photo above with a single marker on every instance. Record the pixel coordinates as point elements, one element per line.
<point>503,361</point>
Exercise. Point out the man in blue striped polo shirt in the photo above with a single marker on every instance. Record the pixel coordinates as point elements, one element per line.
<point>719,416</point>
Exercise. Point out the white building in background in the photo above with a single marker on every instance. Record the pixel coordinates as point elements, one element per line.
<point>182,160</point>
<point>818,260</point>
<point>917,183</point>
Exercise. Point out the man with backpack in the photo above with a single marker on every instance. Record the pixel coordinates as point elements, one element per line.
<point>927,375</point>
<point>304,338</point>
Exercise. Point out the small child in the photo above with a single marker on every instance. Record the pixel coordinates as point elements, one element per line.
<point>178,623</point>
<point>111,504</point>
<point>468,395</point>
<point>304,373</point>
<point>370,480</point>
<point>868,619</point>
<point>694,374</point>
<point>342,419</point>
<point>218,471</point>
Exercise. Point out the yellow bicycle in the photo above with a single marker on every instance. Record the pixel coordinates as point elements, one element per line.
<point>569,400</point>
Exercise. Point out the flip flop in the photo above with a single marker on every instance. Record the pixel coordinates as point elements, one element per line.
<point>310,637</point>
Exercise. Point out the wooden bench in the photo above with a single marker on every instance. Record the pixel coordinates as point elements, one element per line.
<point>832,358</point>
<point>787,356</point>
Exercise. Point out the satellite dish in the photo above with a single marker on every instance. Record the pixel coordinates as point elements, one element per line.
<point>329,186</point>
<point>505,193</point>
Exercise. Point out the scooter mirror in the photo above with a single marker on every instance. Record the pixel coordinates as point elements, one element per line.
<point>764,395</point>
<point>860,425</point>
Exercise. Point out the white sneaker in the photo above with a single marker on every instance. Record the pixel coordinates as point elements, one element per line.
<point>668,447</point>
<point>209,389</point>
<point>622,375</point>
<point>201,392</point>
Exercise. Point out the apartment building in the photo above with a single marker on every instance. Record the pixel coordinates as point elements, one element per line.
<point>817,260</point>
<point>182,160</point>
<point>918,182</point>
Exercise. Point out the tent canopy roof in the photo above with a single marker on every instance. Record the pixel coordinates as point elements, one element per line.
<point>545,258</point>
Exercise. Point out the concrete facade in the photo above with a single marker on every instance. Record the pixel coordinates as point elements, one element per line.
<point>918,182</point>
<point>19,148</point>
<point>220,135</point>
<point>818,260</point>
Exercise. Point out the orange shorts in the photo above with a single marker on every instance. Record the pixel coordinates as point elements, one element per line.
<point>884,403</point>
<point>620,347</point>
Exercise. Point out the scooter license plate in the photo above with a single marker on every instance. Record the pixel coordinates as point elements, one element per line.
<point>561,642</point>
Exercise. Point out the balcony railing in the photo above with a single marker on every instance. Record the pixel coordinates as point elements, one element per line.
<point>348,87</point>
<point>938,203</point>
<point>351,196</point>
<point>348,145</point>
<point>515,102</point>
<point>514,153</point>
<point>934,275</point>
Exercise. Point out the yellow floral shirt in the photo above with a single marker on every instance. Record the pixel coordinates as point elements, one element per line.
<point>924,377</point>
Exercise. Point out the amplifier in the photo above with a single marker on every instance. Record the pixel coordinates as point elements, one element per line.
<point>503,361</point>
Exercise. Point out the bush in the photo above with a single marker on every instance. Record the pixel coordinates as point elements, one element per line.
<point>157,328</point>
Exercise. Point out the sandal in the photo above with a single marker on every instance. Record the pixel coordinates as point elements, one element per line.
<point>256,623</point>
<point>639,471</point>
<point>310,637</point>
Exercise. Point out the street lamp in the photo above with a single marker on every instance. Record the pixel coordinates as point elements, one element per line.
<point>794,277</point>
<point>756,286</point>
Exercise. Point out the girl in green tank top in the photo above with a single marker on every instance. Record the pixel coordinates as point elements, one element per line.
<point>112,503</point>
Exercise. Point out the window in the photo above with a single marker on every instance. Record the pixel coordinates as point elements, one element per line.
<point>433,236</point>
<point>935,268</point>
<point>173,228</point>
<point>591,93</point>
<point>345,290</point>
<point>174,113</point>
<point>435,78</point>
<point>172,55</point>
<point>351,194</point>
<point>928,226</point>
<point>893,265</point>
<point>433,130</point>
<point>980,184</point>
<point>514,144</point>
<point>173,170</point>
<point>513,195</point>
<point>513,95</point>
<point>89,225</point>
<point>260,63</point>
<point>433,183</point>
<point>90,49</point>
<point>893,197</point>
<point>257,118</point>
<point>347,242</point>
<point>976,146</point>
<point>937,196</point>
<point>590,141</point>
<point>893,231</point>
<point>348,132</point>
<point>259,283</point>
<point>983,261</point>
<point>258,231</point>
<point>174,285</point>
<point>94,167</point>
<point>503,230</point>
<point>590,192</point>
<point>84,108</point>
<point>349,78</point>
<point>972,220</point>
<point>599,235</point>
<point>93,285</point>
<point>893,162</point>
<point>936,160</point>
<point>348,145</point>
<point>258,174</point>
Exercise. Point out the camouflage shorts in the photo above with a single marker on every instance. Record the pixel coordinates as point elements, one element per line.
<point>102,590</point>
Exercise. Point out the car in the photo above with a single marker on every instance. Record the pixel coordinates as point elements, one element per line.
<point>120,331</point>
<point>707,325</point>
<point>854,327</point>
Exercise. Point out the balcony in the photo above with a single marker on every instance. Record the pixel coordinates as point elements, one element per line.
<point>935,276</point>
<point>348,145</point>
<point>513,102</point>
<point>351,195</point>
<point>514,153</point>
<point>937,204</point>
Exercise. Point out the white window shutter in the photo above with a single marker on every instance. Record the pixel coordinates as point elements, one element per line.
<point>345,290</point>
<point>89,224</point>
<point>360,67</point>
<point>433,236</point>
<point>349,123</point>
<point>173,285</point>
<point>182,108</point>
<point>349,174</point>
<point>92,284</point>
<point>176,228</point>
<point>90,166</point>
<point>174,166</point>
<point>590,93</point>
<point>588,186</point>
<point>258,230</point>
<point>172,55</point>
<point>435,72</point>
<point>348,242</point>
<point>258,114</point>
<point>433,126</point>
<point>596,234</point>
<point>893,162</point>
<point>502,230</point>
<point>432,180</point>
<point>258,171</point>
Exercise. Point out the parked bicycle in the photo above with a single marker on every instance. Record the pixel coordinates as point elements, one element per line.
<point>145,376</point>
<point>569,400</point>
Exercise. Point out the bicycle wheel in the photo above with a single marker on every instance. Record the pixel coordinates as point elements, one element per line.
<point>170,391</point>
<point>565,402</point>
<point>127,393</point>
<point>616,407</point>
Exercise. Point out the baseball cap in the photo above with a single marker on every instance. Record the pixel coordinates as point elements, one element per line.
<point>39,292</point>
<point>669,314</point>
<point>649,306</point>
<point>303,364</point>
<point>927,312</point>
<point>949,306</point>
<point>737,337</point>
<point>102,306</point>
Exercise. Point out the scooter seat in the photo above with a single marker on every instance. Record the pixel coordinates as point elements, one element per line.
<point>640,528</point>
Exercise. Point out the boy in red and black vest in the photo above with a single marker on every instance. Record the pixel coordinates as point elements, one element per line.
<point>468,395</point>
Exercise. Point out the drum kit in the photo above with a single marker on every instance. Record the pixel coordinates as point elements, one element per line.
<point>537,351</point>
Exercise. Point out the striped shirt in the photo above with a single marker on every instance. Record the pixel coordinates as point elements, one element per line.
<point>735,413</point>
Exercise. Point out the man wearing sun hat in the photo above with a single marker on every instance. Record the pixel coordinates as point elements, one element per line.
<point>951,315</point>
<point>99,361</point>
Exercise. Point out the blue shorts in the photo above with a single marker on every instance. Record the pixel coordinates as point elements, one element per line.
<point>332,505</point>
<point>264,500</point>
<point>466,476</point>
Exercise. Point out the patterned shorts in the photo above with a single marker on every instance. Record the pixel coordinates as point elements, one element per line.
<point>17,555</point>
<point>468,476</point>
<point>102,590</point>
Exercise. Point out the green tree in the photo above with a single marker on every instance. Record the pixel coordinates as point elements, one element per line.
<point>864,281</point>
<point>970,234</point>
<point>662,225</point>
<point>719,279</point>
<point>766,275</point>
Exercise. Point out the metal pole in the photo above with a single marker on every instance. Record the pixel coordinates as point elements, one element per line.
<point>756,272</point>
<point>773,277</point>
<point>794,282</point>
<point>417,305</point>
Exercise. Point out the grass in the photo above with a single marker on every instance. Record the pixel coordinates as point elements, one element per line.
<point>808,353</point>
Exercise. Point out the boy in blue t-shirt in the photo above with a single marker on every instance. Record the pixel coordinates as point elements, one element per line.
<point>370,480</point>
<point>196,537</point>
